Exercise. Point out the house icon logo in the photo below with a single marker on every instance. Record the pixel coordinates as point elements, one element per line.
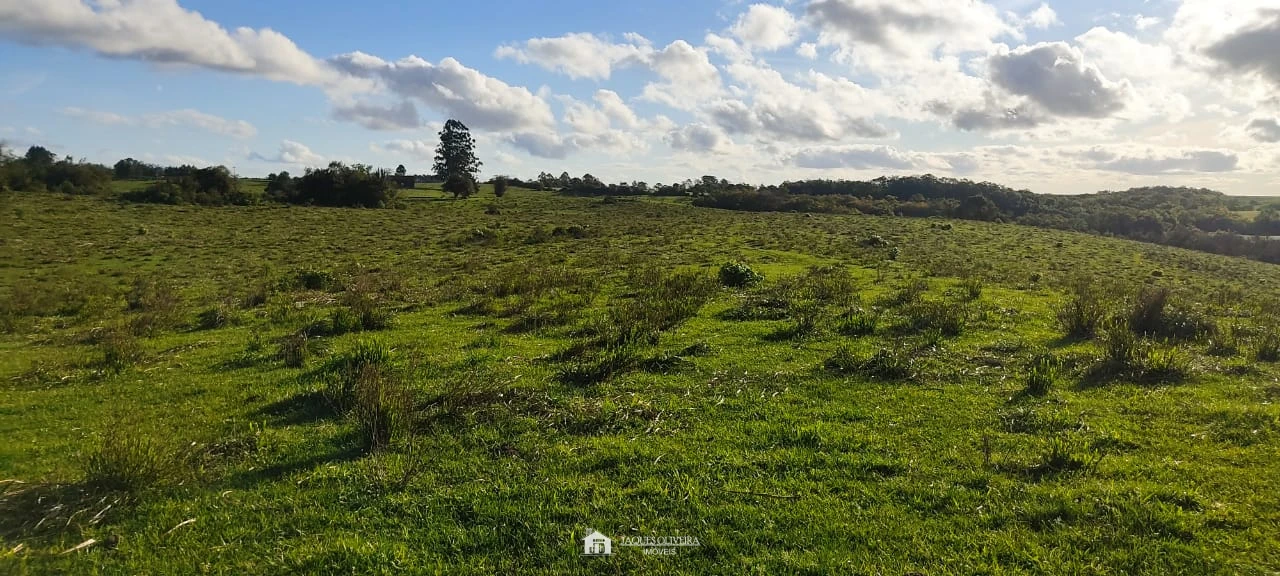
<point>597,544</point>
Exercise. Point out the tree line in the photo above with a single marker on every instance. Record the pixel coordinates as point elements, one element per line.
<point>40,170</point>
<point>338,184</point>
<point>1193,218</point>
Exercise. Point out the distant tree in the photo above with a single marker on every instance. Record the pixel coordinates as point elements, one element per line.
<point>460,185</point>
<point>214,186</point>
<point>39,158</point>
<point>130,169</point>
<point>355,185</point>
<point>500,186</point>
<point>1267,223</point>
<point>977,207</point>
<point>456,157</point>
<point>282,187</point>
<point>565,180</point>
<point>401,170</point>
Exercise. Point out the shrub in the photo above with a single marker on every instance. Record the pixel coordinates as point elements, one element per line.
<point>908,294</point>
<point>1268,348</point>
<point>499,186</point>
<point>885,364</point>
<point>1164,364</point>
<point>128,461</point>
<point>343,321</point>
<point>343,375</point>
<point>858,322</point>
<point>295,349</point>
<point>1041,374</point>
<point>664,301</point>
<point>120,349</point>
<point>1146,314</point>
<point>697,349</point>
<point>156,302</point>
<point>739,275</point>
<point>1061,457</point>
<point>1224,343</point>
<point>312,279</point>
<point>1081,316</point>
<point>213,318</point>
<point>875,241</point>
<point>362,297</point>
<point>823,284</point>
<point>190,185</point>
<point>355,185</point>
<point>806,319</point>
<point>367,384</point>
<point>1184,324</point>
<point>382,407</point>
<point>460,185</point>
<point>971,289</point>
<point>612,362</point>
<point>949,319</point>
<point>1120,347</point>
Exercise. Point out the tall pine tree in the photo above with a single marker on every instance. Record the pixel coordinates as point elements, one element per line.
<point>456,161</point>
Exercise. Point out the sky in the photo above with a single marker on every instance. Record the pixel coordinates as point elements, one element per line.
<point>1054,97</point>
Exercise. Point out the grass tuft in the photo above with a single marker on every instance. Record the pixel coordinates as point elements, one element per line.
<point>885,364</point>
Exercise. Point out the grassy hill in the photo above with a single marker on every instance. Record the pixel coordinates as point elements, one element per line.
<point>469,386</point>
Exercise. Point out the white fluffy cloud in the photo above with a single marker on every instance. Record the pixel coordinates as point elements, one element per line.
<point>400,116</point>
<point>778,89</point>
<point>294,153</point>
<point>1043,17</point>
<point>161,32</point>
<point>464,93</point>
<point>854,157</point>
<point>766,27</point>
<point>580,55</point>
<point>1158,160</point>
<point>1238,37</point>
<point>1056,77</point>
<point>699,137</point>
<point>909,27</point>
<point>1264,129</point>
<point>827,109</point>
<point>183,118</point>
<point>687,73</point>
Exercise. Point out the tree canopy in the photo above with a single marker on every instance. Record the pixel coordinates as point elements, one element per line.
<point>455,156</point>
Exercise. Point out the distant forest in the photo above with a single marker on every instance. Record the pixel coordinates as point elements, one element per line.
<point>1197,219</point>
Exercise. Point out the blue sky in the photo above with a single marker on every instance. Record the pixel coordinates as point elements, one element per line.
<point>1053,96</point>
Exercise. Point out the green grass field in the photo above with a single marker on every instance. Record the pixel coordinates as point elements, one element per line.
<point>896,397</point>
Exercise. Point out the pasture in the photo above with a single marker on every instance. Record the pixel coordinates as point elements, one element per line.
<point>469,386</point>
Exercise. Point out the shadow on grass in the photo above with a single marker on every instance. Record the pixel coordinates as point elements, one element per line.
<point>1065,341</point>
<point>344,448</point>
<point>41,513</point>
<point>1108,373</point>
<point>305,408</point>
